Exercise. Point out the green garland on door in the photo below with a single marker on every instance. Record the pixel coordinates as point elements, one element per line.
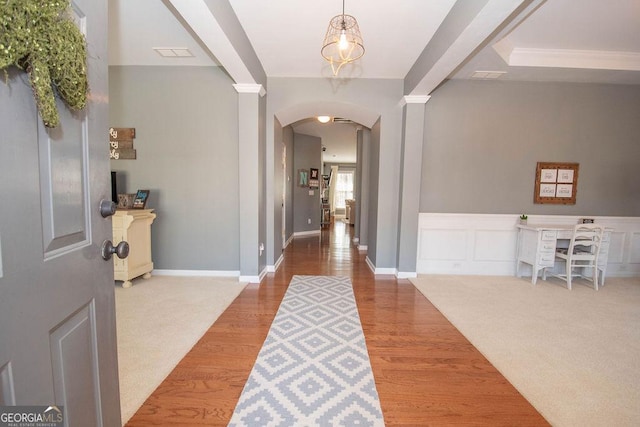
<point>40,37</point>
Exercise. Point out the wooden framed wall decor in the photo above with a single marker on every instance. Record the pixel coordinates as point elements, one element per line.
<point>121,143</point>
<point>303,177</point>
<point>556,183</point>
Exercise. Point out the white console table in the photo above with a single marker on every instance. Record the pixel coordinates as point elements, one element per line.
<point>537,247</point>
<point>134,227</point>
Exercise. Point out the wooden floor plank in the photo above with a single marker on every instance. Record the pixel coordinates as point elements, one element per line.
<point>426,372</point>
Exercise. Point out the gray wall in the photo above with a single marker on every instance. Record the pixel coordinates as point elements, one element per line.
<point>307,153</point>
<point>278,175</point>
<point>288,140</point>
<point>282,136</point>
<point>483,140</point>
<point>364,191</point>
<point>409,206</point>
<point>262,192</point>
<point>358,183</point>
<point>186,121</point>
<point>374,176</point>
<point>251,185</point>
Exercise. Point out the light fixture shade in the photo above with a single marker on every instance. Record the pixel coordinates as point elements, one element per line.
<point>336,53</point>
<point>324,119</point>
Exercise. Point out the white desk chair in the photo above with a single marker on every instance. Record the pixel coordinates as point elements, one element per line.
<point>583,251</point>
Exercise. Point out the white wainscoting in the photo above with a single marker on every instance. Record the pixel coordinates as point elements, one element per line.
<point>485,244</point>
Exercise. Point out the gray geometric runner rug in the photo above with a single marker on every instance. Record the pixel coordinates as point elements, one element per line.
<point>313,368</point>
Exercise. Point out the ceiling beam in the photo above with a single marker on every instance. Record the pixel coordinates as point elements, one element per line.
<point>469,24</point>
<point>219,30</point>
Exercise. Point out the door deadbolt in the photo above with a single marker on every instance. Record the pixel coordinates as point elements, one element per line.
<point>107,208</point>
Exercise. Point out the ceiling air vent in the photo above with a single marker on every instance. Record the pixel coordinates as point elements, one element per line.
<point>341,120</point>
<point>173,52</point>
<point>487,74</point>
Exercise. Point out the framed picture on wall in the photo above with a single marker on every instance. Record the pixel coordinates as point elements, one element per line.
<point>314,178</point>
<point>556,183</point>
<point>303,178</point>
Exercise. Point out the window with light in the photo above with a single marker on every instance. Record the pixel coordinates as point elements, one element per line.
<point>344,188</point>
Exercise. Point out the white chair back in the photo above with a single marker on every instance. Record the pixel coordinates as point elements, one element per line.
<point>582,253</point>
<point>585,243</point>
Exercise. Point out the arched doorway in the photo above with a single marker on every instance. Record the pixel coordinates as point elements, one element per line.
<point>356,119</point>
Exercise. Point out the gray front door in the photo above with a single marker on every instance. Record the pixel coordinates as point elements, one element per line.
<point>57,317</point>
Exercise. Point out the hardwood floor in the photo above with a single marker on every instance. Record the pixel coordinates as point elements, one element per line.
<point>427,373</point>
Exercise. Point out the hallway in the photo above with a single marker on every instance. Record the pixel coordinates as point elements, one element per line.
<point>426,372</point>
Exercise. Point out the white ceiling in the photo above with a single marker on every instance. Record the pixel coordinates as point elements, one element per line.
<point>552,40</point>
<point>287,35</point>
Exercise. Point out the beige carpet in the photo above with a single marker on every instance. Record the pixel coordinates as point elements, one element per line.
<point>158,322</point>
<point>575,355</point>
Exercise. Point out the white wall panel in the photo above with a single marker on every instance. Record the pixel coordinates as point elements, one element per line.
<point>616,247</point>
<point>495,245</point>
<point>634,252</point>
<point>455,249</point>
<point>485,244</point>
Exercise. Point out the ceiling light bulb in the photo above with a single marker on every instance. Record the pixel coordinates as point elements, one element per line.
<point>324,119</point>
<point>343,43</point>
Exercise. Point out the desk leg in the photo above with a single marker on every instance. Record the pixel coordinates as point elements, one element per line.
<point>534,274</point>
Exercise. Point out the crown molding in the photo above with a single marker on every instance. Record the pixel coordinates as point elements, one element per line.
<point>414,99</point>
<point>249,88</point>
<point>568,58</point>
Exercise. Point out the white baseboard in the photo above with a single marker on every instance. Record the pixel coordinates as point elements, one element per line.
<point>370,264</point>
<point>406,274</point>
<point>289,240</point>
<point>274,268</point>
<point>254,279</point>
<point>307,233</point>
<point>385,271</point>
<point>210,273</point>
<point>195,273</point>
<point>363,248</point>
<point>380,271</point>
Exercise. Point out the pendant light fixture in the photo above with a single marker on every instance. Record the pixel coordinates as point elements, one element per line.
<point>343,42</point>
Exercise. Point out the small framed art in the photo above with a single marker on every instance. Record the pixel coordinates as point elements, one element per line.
<point>303,178</point>
<point>314,181</point>
<point>140,200</point>
<point>125,201</point>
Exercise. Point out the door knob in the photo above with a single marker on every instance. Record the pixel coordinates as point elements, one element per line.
<point>121,250</point>
<point>107,208</point>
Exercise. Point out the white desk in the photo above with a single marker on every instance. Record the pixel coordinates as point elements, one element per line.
<point>537,247</point>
